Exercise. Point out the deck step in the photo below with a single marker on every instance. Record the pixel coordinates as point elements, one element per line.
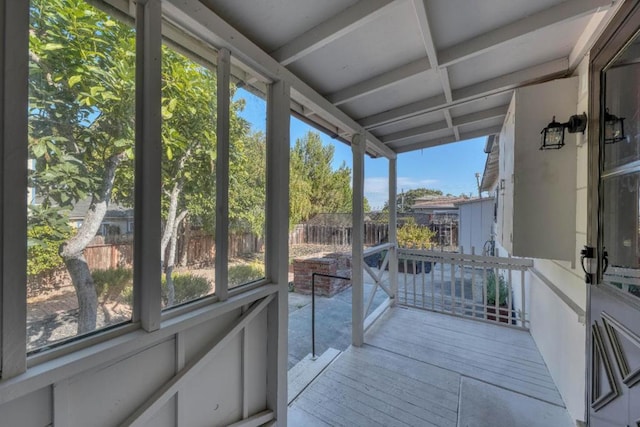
<point>307,370</point>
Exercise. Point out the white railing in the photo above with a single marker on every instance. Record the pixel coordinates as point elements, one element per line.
<point>482,287</point>
<point>376,261</point>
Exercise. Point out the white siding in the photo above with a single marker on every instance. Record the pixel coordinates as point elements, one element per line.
<point>475,221</point>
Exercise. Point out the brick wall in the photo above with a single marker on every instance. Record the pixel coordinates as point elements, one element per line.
<point>333,264</point>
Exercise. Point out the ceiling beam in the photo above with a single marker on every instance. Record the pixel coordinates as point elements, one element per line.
<point>379,82</point>
<point>425,30</point>
<point>417,131</point>
<point>479,116</point>
<point>211,28</point>
<point>494,86</point>
<point>565,11</point>
<point>332,29</point>
<point>399,148</point>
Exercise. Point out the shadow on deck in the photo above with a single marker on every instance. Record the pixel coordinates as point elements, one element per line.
<point>421,368</point>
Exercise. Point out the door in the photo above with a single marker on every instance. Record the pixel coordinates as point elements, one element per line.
<point>614,297</point>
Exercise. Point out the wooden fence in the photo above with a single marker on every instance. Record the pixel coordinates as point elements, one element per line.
<point>201,250</point>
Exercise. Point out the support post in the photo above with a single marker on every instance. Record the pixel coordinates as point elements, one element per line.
<point>393,230</point>
<point>222,175</point>
<point>14,73</point>
<point>358,145</point>
<point>277,246</point>
<point>148,173</point>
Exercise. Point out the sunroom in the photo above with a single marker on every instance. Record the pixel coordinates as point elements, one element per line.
<point>131,108</point>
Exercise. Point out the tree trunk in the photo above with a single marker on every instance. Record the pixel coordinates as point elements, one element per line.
<point>72,251</point>
<point>184,256</point>
<point>85,292</point>
<point>171,291</point>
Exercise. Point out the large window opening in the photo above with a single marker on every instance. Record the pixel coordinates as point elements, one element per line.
<point>247,184</point>
<point>188,178</point>
<point>81,144</point>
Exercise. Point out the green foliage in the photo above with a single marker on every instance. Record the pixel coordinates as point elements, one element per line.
<point>314,186</point>
<point>112,282</point>
<point>414,236</point>
<point>245,273</point>
<point>494,279</point>
<point>81,99</point>
<point>187,287</point>
<point>43,245</point>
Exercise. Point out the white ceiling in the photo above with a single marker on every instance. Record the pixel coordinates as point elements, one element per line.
<point>419,73</point>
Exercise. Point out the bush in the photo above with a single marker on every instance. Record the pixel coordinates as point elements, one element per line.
<point>187,287</point>
<point>245,273</point>
<point>43,246</point>
<point>414,236</point>
<point>112,283</point>
<point>492,278</point>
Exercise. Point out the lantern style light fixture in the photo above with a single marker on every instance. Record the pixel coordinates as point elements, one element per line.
<point>613,128</point>
<point>552,137</point>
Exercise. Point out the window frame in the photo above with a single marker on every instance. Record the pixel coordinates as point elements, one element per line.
<point>147,315</point>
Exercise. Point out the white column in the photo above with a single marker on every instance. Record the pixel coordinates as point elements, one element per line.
<point>148,173</point>
<point>358,145</point>
<point>393,222</point>
<point>14,73</point>
<point>277,246</point>
<point>222,175</point>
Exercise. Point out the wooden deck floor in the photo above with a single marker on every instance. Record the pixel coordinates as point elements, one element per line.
<point>420,368</point>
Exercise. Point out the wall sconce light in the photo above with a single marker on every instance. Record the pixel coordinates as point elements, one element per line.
<point>553,135</point>
<point>613,128</point>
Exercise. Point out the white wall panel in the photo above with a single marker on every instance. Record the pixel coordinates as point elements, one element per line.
<point>108,396</point>
<point>214,397</point>
<point>256,369</point>
<point>166,416</point>
<point>32,410</point>
<point>560,337</point>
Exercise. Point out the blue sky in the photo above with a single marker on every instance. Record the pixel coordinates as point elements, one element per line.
<point>450,168</point>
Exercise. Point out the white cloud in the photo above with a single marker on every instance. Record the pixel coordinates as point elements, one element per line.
<point>406,183</point>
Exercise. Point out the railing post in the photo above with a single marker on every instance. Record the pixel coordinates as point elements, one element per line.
<point>358,146</point>
<point>393,229</point>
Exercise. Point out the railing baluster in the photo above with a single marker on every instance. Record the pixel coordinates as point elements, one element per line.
<point>524,306</point>
<point>442,305</point>
<point>415,271</point>
<point>423,275</point>
<point>510,297</point>
<point>404,272</point>
<point>462,296</point>
<point>484,290</point>
<point>433,296</point>
<point>473,285</point>
<point>452,276</point>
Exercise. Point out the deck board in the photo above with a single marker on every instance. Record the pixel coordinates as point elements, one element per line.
<point>410,371</point>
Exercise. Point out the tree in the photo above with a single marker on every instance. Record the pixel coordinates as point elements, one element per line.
<point>406,199</point>
<point>82,73</point>
<point>314,186</point>
<point>82,134</point>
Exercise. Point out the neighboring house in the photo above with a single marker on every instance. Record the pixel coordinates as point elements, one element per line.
<point>438,206</point>
<point>117,221</point>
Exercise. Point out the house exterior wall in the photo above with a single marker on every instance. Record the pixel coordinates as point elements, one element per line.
<point>556,324</point>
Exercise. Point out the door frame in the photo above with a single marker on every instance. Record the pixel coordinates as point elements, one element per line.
<point>615,36</point>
